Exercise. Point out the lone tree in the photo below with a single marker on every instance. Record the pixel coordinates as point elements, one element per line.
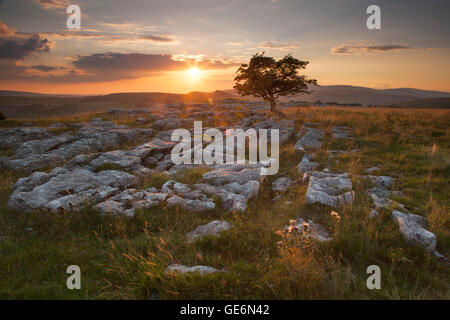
<point>264,77</point>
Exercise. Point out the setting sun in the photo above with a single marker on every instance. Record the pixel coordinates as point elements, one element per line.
<point>194,73</point>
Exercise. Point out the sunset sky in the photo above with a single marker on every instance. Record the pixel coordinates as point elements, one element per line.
<point>184,45</point>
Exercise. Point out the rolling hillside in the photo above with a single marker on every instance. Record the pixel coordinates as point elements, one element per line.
<point>27,105</point>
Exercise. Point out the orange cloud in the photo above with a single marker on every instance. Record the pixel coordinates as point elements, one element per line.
<point>369,48</point>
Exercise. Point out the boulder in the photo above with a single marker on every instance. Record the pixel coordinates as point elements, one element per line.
<point>412,227</point>
<point>11,138</point>
<point>63,189</point>
<point>307,229</point>
<point>202,270</point>
<point>224,175</point>
<point>181,195</point>
<point>311,139</point>
<point>214,228</point>
<point>281,184</point>
<point>340,132</point>
<point>330,189</point>
<point>372,170</point>
<point>129,200</point>
<point>38,154</point>
<point>168,123</point>
<point>306,165</point>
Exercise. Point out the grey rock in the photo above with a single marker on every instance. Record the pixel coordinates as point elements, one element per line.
<point>386,203</point>
<point>330,189</point>
<point>120,158</point>
<point>153,148</point>
<point>168,123</point>
<point>380,181</point>
<point>37,154</point>
<point>195,205</point>
<point>63,189</point>
<point>112,207</point>
<point>249,189</point>
<point>130,200</point>
<point>213,228</point>
<point>308,229</point>
<point>412,227</point>
<point>231,201</point>
<point>11,138</point>
<point>56,125</point>
<point>228,175</point>
<point>383,193</point>
<point>281,184</point>
<point>311,139</point>
<point>372,170</point>
<point>340,132</point>
<point>285,127</point>
<point>202,270</point>
<point>181,195</point>
<point>306,165</point>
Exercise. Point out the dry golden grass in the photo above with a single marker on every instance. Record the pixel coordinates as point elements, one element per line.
<point>125,258</point>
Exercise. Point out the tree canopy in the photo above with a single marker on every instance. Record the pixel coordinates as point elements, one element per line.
<point>264,77</point>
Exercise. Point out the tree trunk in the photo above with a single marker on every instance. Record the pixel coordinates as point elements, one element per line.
<point>273,108</point>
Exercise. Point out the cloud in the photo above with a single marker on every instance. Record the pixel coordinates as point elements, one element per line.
<point>70,35</point>
<point>19,45</point>
<point>112,39</point>
<point>109,66</point>
<point>53,4</point>
<point>279,45</point>
<point>5,31</point>
<point>366,48</point>
<point>44,68</point>
<point>231,43</point>
<point>130,63</point>
<point>134,65</point>
<point>18,48</point>
<point>157,38</point>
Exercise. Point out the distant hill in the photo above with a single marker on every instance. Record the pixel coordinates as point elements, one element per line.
<point>366,96</point>
<point>28,105</point>
<point>338,93</point>
<point>8,93</point>
<point>149,98</point>
<point>438,103</point>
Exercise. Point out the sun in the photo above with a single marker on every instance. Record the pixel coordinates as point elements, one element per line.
<point>194,73</point>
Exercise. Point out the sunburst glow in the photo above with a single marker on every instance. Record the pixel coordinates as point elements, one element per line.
<point>194,73</point>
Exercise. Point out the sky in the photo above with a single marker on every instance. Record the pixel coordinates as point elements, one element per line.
<point>185,45</point>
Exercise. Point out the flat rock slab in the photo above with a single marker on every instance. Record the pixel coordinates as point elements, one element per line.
<point>181,195</point>
<point>306,165</point>
<point>340,132</point>
<point>412,227</point>
<point>311,139</point>
<point>125,203</point>
<point>38,154</point>
<point>11,138</point>
<point>201,270</point>
<point>214,228</point>
<point>379,181</point>
<point>223,174</point>
<point>308,229</point>
<point>167,123</point>
<point>372,170</point>
<point>281,184</point>
<point>285,127</point>
<point>63,189</point>
<point>234,195</point>
<point>330,189</point>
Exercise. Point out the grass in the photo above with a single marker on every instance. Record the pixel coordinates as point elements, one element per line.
<point>125,258</point>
